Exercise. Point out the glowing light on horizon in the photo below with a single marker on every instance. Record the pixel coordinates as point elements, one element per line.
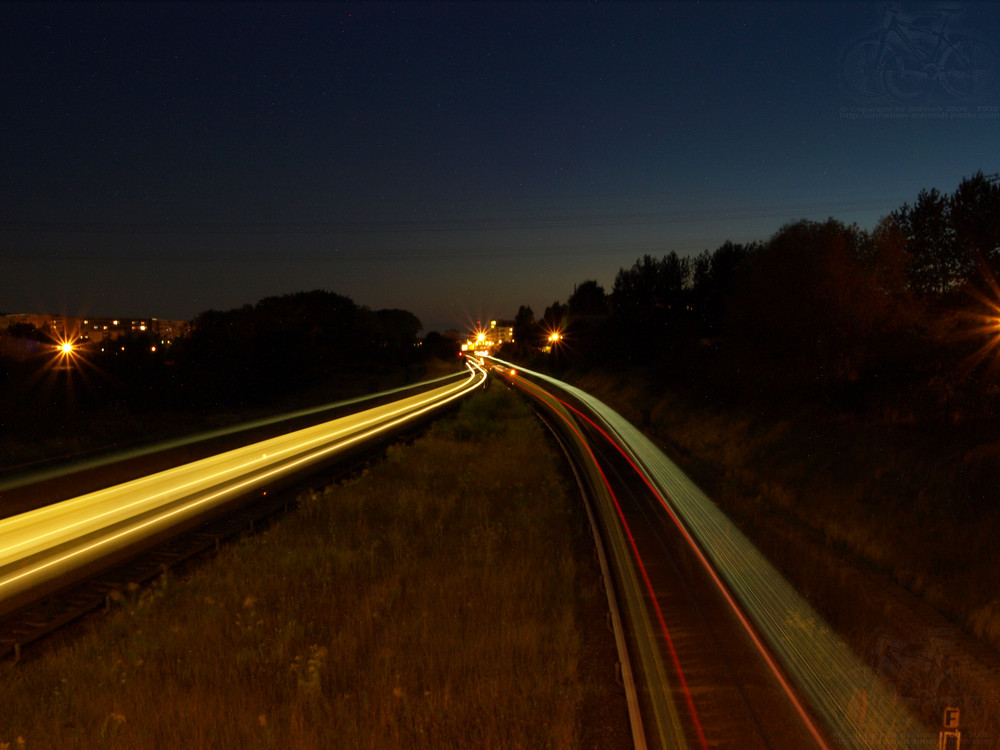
<point>985,324</point>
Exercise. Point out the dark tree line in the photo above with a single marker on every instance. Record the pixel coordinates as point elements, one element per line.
<point>952,238</point>
<point>895,320</point>
<point>242,357</point>
<point>283,344</point>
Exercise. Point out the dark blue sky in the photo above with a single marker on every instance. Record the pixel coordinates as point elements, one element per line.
<point>456,160</point>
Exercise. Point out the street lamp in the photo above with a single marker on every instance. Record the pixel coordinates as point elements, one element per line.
<point>66,353</point>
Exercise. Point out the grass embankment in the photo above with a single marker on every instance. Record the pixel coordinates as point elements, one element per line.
<point>431,602</point>
<point>920,505</point>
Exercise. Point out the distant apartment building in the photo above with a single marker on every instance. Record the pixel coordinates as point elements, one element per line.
<point>97,329</point>
<point>488,339</point>
<point>502,331</point>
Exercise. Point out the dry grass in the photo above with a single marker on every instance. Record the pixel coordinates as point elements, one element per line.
<point>428,603</point>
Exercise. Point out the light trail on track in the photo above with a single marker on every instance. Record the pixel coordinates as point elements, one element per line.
<point>47,543</point>
<point>34,477</point>
<point>854,706</point>
<point>664,709</point>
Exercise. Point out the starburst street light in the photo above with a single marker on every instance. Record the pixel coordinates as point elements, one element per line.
<point>477,342</point>
<point>983,324</point>
<point>552,339</point>
<point>67,351</point>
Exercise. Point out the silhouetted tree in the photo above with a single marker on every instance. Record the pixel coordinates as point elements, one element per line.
<point>936,266</point>
<point>525,328</point>
<point>587,329</point>
<point>284,343</point>
<point>650,303</point>
<point>713,277</point>
<point>555,316</point>
<point>399,329</point>
<point>442,347</point>
<point>816,307</point>
<point>950,239</point>
<point>974,214</point>
<point>886,259</point>
<point>893,349</point>
<point>588,298</point>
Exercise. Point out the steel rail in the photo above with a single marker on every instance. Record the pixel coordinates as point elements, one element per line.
<point>825,682</point>
<point>663,727</point>
<point>592,492</point>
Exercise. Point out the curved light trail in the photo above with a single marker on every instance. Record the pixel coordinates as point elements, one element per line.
<point>44,544</point>
<point>18,480</point>
<point>857,709</point>
<point>637,587</point>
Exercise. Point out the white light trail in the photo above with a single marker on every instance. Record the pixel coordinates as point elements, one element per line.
<point>857,708</point>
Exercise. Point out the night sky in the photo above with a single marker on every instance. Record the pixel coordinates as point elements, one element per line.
<point>455,160</point>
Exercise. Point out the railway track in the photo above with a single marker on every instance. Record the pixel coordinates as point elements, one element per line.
<point>721,651</point>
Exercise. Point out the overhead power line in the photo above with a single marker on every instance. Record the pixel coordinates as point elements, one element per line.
<point>494,223</point>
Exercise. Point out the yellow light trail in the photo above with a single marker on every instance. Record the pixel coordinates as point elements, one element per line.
<point>21,480</point>
<point>39,545</point>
